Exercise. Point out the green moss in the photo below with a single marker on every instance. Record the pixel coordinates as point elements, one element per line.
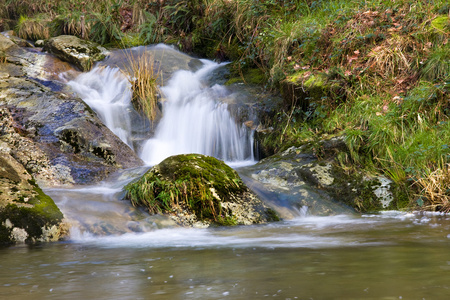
<point>249,76</point>
<point>31,220</point>
<point>354,191</point>
<point>226,221</point>
<point>4,234</point>
<point>45,206</point>
<point>272,215</point>
<point>402,197</point>
<point>441,23</point>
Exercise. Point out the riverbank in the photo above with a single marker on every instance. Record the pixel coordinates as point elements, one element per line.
<point>374,73</point>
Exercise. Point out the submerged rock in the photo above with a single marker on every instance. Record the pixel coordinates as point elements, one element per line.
<point>74,50</point>
<point>197,190</point>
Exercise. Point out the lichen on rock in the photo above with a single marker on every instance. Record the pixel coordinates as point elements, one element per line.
<point>197,190</point>
<point>72,49</point>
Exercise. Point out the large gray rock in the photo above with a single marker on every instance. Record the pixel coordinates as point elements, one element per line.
<point>57,137</point>
<point>74,50</point>
<point>296,177</point>
<point>164,59</point>
<point>29,62</point>
<point>198,190</point>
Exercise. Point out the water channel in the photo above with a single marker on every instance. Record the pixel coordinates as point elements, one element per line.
<point>116,251</point>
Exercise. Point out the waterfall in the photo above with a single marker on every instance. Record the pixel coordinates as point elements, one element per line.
<point>196,121</point>
<point>108,92</point>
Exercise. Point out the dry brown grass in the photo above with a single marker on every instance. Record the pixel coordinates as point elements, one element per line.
<point>2,57</point>
<point>144,83</point>
<point>435,189</point>
<point>393,57</point>
<point>33,29</point>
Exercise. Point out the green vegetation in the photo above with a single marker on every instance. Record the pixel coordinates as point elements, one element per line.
<point>376,71</point>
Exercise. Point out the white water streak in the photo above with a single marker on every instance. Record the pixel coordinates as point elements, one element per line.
<point>108,92</point>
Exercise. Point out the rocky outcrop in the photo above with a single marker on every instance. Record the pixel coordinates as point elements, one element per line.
<point>297,177</point>
<point>26,213</point>
<point>76,51</point>
<point>198,190</point>
<point>54,135</point>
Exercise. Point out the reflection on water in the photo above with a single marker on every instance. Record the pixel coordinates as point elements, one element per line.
<point>388,256</point>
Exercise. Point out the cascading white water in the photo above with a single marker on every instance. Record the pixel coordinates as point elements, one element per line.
<point>108,92</point>
<point>194,121</point>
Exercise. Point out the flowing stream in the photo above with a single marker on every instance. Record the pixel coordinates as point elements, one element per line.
<point>116,251</point>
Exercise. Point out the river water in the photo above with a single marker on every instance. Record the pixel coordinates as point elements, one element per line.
<point>116,251</point>
<point>387,256</point>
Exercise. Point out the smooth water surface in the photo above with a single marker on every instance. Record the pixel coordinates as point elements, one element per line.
<point>388,256</point>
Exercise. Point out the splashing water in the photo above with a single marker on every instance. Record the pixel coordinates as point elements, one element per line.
<point>108,92</point>
<point>195,122</point>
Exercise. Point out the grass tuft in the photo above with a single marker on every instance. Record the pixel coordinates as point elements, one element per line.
<point>144,83</point>
<point>434,189</point>
<point>34,29</point>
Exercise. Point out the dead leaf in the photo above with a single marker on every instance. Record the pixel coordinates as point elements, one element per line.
<point>307,74</point>
<point>352,58</point>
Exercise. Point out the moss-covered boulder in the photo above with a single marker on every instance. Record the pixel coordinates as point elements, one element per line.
<point>74,50</point>
<point>26,213</point>
<point>197,190</point>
